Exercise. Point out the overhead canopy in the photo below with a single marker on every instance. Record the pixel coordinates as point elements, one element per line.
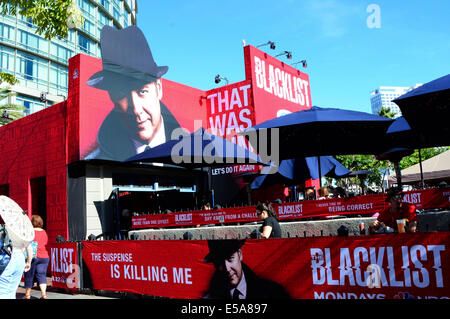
<point>296,171</point>
<point>435,168</point>
<point>323,131</point>
<point>198,149</point>
<point>427,110</point>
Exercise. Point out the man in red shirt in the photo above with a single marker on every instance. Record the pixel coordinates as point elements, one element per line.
<point>396,210</point>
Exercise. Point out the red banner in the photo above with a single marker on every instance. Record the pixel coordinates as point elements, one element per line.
<point>64,266</point>
<point>369,204</point>
<point>277,87</point>
<point>359,267</point>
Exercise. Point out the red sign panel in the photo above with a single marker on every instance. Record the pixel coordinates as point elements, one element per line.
<point>360,267</point>
<point>64,266</point>
<point>278,88</point>
<point>369,204</point>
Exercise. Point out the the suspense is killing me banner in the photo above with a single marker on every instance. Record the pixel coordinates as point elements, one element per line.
<point>359,267</point>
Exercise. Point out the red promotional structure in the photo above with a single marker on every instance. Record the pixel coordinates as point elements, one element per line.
<point>51,167</point>
<point>64,267</point>
<point>47,167</point>
<point>395,266</point>
<point>360,205</point>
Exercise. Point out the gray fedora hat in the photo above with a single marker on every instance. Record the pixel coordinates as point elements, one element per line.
<point>125,55</point>
<point>220,249</point>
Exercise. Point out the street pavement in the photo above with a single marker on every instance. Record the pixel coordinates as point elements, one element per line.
<point>55,293</point>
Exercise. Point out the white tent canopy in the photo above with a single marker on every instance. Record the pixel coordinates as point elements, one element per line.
<point>435,168</point>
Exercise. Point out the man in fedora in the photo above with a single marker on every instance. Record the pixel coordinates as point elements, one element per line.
<point>139,120</point>
<point>235,280</point>
<point>396,210</point>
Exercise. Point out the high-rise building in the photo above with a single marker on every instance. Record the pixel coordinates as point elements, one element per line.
<point>382,98</point>
<point>41,65</point>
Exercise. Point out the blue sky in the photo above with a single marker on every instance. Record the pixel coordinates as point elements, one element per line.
<point>198,39</point>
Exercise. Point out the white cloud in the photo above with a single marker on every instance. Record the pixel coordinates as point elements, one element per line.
<point>332,16</point>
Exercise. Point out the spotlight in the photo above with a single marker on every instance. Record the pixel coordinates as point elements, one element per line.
<point>303,62</point>
<point>218,78</point>
<point>271,43</point>
<point>288,54</point>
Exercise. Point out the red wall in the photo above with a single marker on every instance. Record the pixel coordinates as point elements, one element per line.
<point>33,147</point>
<point>42,144</point>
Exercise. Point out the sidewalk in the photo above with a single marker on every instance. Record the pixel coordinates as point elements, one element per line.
<point>55,293</point>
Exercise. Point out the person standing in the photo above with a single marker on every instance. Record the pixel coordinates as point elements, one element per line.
<point>271,227</point>
<point>39,264</point>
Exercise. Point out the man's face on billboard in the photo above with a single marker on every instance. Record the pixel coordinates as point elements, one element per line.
<point>231,268</point>
<point>142,111</point>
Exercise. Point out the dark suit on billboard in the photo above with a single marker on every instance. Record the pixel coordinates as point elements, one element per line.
<point>257,287</point>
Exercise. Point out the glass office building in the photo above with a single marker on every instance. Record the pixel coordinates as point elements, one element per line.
<point>41,65</point>
<point>382,98</point>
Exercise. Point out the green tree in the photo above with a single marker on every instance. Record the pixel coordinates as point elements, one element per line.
<point>8,78</point>
<point>50,16</point>
<point>386,113</point>
<point>53,18</point>
<point>363,162</point>
<point>13,111</point>
<point>425,154</point>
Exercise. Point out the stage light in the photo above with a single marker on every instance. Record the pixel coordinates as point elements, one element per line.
<point>218,78</point>
<point>303,62</point>
<point>271,43</point>
<point>288,54</point>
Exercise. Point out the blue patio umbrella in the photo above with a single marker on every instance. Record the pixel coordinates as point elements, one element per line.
<point>296,171</point>
<point>198,149</point>
<point>427,110</point>
<point>323,131</point>
<point>400,134</point>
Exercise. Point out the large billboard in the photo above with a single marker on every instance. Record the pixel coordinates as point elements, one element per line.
<point>127,106</point>
<point>391,266</point>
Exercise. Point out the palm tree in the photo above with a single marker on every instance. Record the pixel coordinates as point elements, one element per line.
<point>386,113</point>
<point>9,112</point>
